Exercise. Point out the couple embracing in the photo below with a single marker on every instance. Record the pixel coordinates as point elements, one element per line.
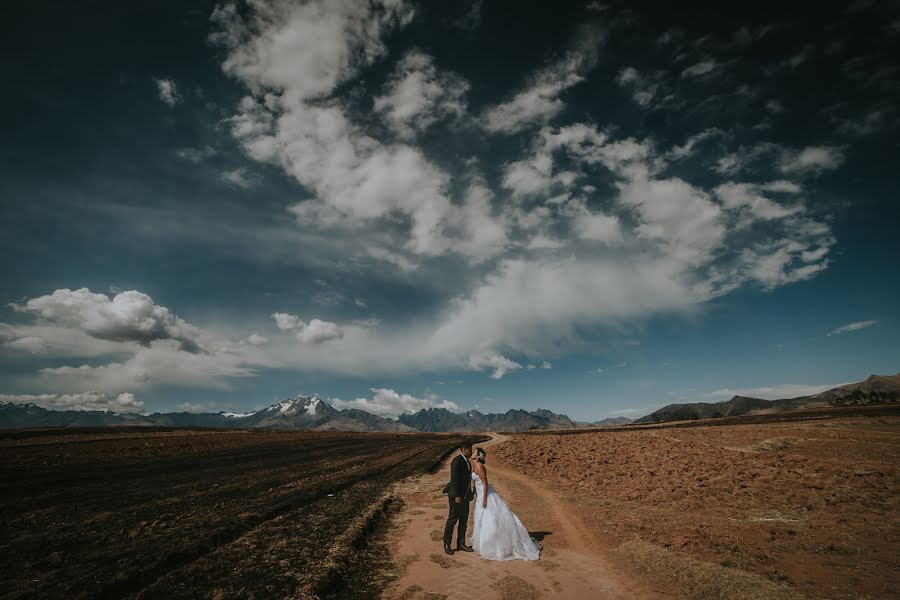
<point>497,533</point>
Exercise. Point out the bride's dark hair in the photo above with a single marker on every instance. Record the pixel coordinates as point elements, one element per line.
<point>480,454</point>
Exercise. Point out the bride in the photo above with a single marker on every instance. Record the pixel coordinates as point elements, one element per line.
<point>497,533</point>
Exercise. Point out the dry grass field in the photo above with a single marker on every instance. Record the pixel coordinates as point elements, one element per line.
<point>813,504</point>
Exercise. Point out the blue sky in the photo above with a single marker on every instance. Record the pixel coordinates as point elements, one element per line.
<point>597,210</point>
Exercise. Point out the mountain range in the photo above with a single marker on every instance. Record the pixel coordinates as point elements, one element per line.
<point>877,389</point>
<point>302,412</point>
<point>311,412</point>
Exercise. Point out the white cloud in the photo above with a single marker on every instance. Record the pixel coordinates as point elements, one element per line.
<point>124,402</point>
<point>209,407</point>
<point>528,275</point>
<point>257,340</point>
<point>600,370</point>
<point>597,226</point>
<point>701,68</point>
<point>774,107</point>
<point>647,89</point>
<point>749,201</point>
<point>499,363</point>
<point>812,159</point>
<point>418,94</point>
<point>745,156</point>
<point>287,322</point>
<point>319,331</point>
<point>159,364</point>
<point>292,57</point>
<point>238,178</point>
<point>855,326</point>
<point>131,316</point>
<point>196,155</point>
<point>388,403</point>
<point>677,216</point>
<point>688,149</point>
<point>314,332</point>
<point>873,121</point>
<point>791,62</point>
<point>775,392</point>
<point>145,344</point>
<point>540,100</point>
<point>168,91</point>
<point>53,340</point>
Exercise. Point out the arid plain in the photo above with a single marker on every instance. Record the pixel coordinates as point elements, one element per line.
<point>740,508</point>
<point>810,504</point>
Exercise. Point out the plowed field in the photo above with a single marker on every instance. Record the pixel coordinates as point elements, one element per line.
<point>194,513</point>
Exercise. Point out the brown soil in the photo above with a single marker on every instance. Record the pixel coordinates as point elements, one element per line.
<point>193,514</point>
<point>810,505</point>
<point>571,565</point>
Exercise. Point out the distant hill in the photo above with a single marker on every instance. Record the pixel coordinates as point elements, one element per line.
<point>302,412</point>
<point>608,421</point>
<point>441,419</point>
<point>877,389</point>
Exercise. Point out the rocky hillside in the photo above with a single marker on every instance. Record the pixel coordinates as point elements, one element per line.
<point>876,389</point>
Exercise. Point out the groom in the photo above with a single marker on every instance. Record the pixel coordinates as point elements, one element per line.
<point>460,494</point>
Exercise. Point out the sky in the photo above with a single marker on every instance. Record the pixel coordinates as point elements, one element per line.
<point>598,209</point>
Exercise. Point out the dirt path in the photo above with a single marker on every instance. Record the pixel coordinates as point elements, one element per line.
<point>572,564</point>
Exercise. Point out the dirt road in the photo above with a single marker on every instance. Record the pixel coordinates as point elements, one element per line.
<point>572,565</point>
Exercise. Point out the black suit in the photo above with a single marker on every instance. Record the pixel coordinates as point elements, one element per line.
<point>460,487</point>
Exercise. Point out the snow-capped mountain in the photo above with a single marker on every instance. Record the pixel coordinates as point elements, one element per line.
<point>302,412</point>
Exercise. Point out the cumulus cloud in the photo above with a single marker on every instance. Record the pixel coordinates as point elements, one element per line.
<point>124,402</point>
<point>292,57</point>
<point>540,100</point>
<point>168,91</point>
<point>855,326</point>
<point>142,343</point>
<point>388,403</point>
<point>314,332</point>
<point>130,316</point>
<point>545,254</point>
<point>418,94</point>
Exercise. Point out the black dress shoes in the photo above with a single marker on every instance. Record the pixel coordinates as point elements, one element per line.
<point>464,548</point>
<point>448,549</point>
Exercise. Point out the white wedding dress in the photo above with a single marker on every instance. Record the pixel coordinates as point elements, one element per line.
<point>497,533</point>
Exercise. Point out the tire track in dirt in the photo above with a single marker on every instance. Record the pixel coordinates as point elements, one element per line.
<point>571,565</point>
